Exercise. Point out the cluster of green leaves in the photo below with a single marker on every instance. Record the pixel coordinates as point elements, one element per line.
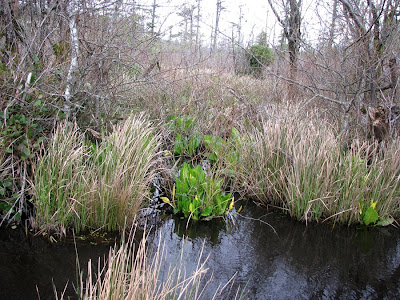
<point>9,208</point>
<point>198,196</point>
<point>20,135</point>
<point>370,216</point>
<point>187,139</point>
<point>24,123</point>
<point>220,149</point>
<point>23,129</point>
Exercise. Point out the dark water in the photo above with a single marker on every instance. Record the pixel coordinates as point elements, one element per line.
<point>31,267</point>
<point>297,262</point>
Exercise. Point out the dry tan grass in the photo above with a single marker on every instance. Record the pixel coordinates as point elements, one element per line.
<point>134,271</point>
<point>299,163</point>
<point>87,186</point>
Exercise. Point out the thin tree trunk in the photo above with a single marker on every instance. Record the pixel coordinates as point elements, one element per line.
<point>291,30</point>
<point>293,44</point>
<point>10,35</point>
<point>153,17</point>
<point>218,13</point>
<point>375,49</point>
<point>198,30</point>
<point>74,61</point>
<point>333,24</point>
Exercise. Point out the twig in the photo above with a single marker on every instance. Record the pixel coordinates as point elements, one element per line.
<point>261,221</point>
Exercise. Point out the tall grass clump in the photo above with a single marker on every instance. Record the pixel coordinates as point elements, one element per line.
<point>60,182</point>
<point>299,163</point>
<point>82,185</point>
<point>142,273</point>
<point>121,171</point>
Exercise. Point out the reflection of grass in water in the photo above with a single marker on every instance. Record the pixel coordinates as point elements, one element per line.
<point>202,229</point>
<point>140,273</point>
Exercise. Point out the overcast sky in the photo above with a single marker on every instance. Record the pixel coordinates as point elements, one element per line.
<point>257,17</point>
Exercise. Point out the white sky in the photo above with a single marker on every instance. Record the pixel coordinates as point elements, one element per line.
<point>257,17</point>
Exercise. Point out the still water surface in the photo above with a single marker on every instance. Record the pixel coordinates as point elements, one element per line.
<point>296,261</point>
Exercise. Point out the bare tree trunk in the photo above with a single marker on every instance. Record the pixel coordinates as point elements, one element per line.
<point>291,29</point>
<point>7,18</point>
<point>70,84</point>
<point>333,24</point>
<point>293,44</point>
<point>217,16</point>
<point>153,16</point>
<point>375,49</point>
<point>198,47</point>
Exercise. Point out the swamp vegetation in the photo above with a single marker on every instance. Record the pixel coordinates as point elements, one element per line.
<point>103,119</point>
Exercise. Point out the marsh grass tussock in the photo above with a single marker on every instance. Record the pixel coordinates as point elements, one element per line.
<point>298,163</point>
<point>60,181</point>
<point>81,185</point>
<point>122,171</point>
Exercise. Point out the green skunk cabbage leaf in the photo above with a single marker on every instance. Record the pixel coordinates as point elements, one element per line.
<point>385,222</point>
<point>207,211</point>
<point>179,145</point>
<point>194,143</point>
<point>370,216</point>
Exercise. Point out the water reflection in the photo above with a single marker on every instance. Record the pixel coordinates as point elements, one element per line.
<point>30,267</point>
<point>296,262</point>
<point>314,261</point>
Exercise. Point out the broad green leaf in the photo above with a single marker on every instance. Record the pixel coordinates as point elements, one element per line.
<point>194,143</point>
<point>207,211</point>
<point>184,171</point>
<point>385,222</point>
<point>5,206</point>
<point>370,216</point>
<point>179,145</point>
<point>211,156</point>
